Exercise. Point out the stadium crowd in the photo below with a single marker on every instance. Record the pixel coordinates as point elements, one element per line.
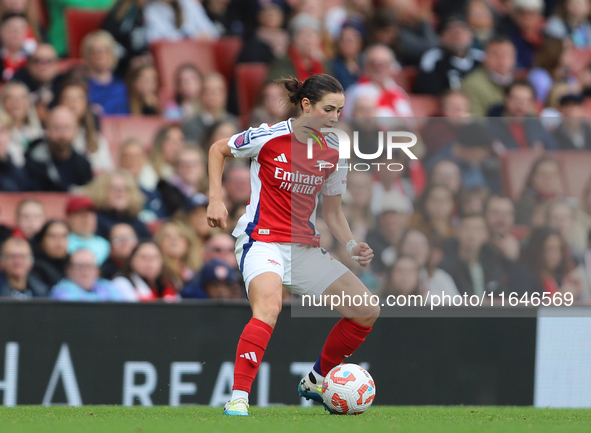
<point>506,78</point>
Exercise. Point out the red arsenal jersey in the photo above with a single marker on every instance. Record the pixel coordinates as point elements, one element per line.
<point>285,183</point>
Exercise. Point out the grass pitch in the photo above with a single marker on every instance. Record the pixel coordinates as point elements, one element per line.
<point>286,419</point>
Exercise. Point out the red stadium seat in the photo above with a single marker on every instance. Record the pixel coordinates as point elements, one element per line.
<point>406,78</point>
<point>226,51</point>
<point>250,78</point>
<point>54,203</point>
<point>580,59</point>
<point>79,23</point>
<point>576,171</point>
<point>117,129</point>
<point>424,105</point>
<point>168,56</point>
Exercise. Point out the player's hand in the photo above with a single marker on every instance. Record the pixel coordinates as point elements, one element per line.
<point>362,253</point>
<point>217,214</point>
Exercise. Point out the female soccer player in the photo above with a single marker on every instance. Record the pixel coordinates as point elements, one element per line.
<point>277,243</point>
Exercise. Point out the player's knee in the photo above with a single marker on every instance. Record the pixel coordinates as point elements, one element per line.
<point>268,312</point>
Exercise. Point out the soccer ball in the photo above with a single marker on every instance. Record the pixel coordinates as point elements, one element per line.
<point>348,389</point>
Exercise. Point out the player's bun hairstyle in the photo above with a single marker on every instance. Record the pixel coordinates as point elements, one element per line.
<point>314,88</point>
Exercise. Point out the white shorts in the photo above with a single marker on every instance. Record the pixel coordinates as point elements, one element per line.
<point>304,269</point>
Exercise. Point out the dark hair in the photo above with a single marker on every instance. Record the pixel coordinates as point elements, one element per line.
<point>519,83</point>
<point>387,286</point>
<point>533,254</point>
<point>11,15</point>
<point>496,40</point>
<point>127,270</point>
<point>314,88</point>
<point>38,238</point>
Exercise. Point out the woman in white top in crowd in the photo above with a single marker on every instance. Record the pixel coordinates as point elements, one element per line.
<point>16,101</point>
<point>89,141</point>
<point>415,244</point>
<point>174,20</point>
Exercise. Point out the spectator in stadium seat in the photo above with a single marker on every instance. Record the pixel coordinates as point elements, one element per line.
<point>12,178</point>
<point>480,17</point>
<point>553,63</point>
<point>133,158</point>
<point>434,212</point>
<point>582,224</point>
<point>218,131</point>
<point>357,203</point>
<point>188,83</point>
<point>519,128</point>
<point>123,240</point>
<point>542,185</point>
<point>582,274</point>
<point>221,246</point>
<point>383,27</point>
<point>560,216</point>
<point>142,276</point>
<point>402,279</point>
<point>573,133</point>
<point>237,185</point>
<point>118,200</point>
<point>471,200</point>
<point>499,213</point>
<point>305,56</point>
<point>447,173</point>
<point>194,213</point>
<point>376,81</point>
<point>28,9</point>
<point>30,217</point>
<point>475,267</point>
<point>189,178</point>
<point>40,76</point>
<point>271,110</point>
<point>417,34</point>
<point>168,142</point>
<point>26,126</point>
<point>125,22</point>
<point>444,67</point>
<point>216,280</point>
<point>174,20</point>
<point>392,220</point>
<point>485,86</point>
<point>270,40</point>
<point>432,279</point>
<point>16,280</point>
<point>52,162</point>
<point>213,109</point>
<point>181,250</point>
<point>57,34</point>
<point>455,112</point>
<point>346,65</point>
<point>571,20</point>
<point>83,282</point>
<point>82,219</point>
<point>106,92</point>
<point>472,152</point>
<point>143,91</point>
<point>546,256</point>
<point>50,247</point>
<point>89,141</point>
<point>13,33</point>
<point>524,27</point>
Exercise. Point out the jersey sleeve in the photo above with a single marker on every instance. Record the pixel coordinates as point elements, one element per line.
<point>336,184</point>
<point>248,144</point>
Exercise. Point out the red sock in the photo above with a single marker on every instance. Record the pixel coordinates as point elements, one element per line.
<point>343,340</point>
<point>250,351</point>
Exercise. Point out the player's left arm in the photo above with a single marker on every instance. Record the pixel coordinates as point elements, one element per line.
<point>332,211</point>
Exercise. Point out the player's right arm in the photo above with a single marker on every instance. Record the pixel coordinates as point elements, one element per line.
<point>217,214</point>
